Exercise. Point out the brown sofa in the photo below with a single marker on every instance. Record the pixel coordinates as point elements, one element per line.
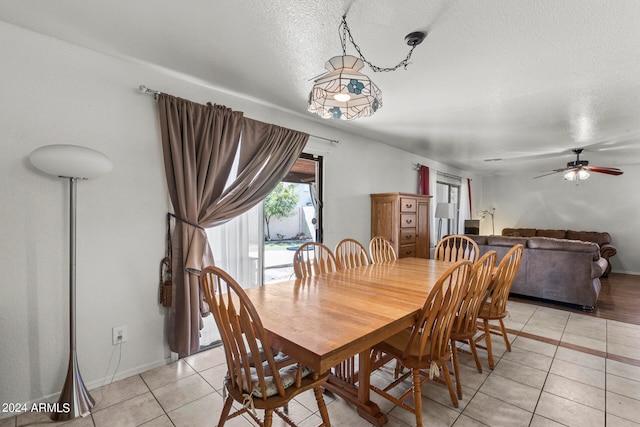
<point>603,239</point>
<point>559,270</point>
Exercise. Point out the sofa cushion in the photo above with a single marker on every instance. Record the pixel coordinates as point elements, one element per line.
<point>519,232</point>
<point>556,234</point>
<point>506,240</point>
<point>481,240</point>
<point>564,245</point>
<point>600,238</point>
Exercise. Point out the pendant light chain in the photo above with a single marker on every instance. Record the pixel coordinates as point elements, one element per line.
<point>346,31</point>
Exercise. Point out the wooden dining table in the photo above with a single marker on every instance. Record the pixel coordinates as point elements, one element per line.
<point>324,320</point>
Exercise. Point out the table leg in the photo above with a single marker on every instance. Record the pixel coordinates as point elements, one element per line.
<point>367,409</point>
<point>358,394</point>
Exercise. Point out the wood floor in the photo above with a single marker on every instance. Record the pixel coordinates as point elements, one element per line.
<point>619,299</point>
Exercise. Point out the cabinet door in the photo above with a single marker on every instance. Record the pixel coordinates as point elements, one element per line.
<point>422,230</point>
<point>384,218</point>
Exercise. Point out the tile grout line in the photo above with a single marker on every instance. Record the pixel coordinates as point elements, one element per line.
<point>157,401</point>
<point>546,378</point>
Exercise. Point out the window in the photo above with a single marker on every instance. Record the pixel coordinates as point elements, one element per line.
<point>448,191</point>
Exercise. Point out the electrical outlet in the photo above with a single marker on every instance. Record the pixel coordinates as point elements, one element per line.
<point>119,334</point>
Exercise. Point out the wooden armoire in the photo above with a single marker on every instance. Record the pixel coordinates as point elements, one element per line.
<point>403,218</point>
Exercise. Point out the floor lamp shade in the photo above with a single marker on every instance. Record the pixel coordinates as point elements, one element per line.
<point>71,162</point>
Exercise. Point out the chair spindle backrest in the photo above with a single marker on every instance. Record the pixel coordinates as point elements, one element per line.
<point>312,259</point>
<point>473,295</point>
<point>381,250</point>
<point>502,279</point>
<point>243,336</point>
<point>457,247</point>
<point>435,321</point>
<point>350,254</point>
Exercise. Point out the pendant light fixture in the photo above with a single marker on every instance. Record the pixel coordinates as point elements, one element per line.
<point>344,92</point>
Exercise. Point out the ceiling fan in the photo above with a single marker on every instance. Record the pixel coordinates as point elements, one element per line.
<point>579,169</point>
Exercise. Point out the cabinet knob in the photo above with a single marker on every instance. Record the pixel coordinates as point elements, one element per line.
<point>409,221</point>
<point>408,205</point>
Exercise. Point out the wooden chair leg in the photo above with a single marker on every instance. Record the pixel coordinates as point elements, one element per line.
<point>225,411</point>
<point>324,414</point>
<point>487,340</point>
<point>268,417</point>
<point>504,335</point>
<point>447,377</point>
<point>417,397</point>
<point>456,368</point>
<point>474,351</point>
<point>398,370</point>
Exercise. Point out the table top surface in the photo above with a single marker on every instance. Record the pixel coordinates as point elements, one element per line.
<point>324,320</point>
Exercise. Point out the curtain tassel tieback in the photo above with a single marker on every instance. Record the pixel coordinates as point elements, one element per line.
<point>166,280</point>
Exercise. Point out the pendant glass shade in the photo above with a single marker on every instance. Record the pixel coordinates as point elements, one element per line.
<point>70,161</point>
<point>344,93</point>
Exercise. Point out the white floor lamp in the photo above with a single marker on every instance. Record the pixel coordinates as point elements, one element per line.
<point>443,210</point>
<point>74,163</point>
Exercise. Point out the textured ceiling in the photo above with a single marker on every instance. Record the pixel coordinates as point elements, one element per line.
<point>520,81</point>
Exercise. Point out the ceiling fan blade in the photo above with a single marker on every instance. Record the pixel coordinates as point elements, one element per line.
<point>550,173</point>
<point>609,171</point>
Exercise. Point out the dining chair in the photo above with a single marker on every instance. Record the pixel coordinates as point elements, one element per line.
<point>465,324</point>
<point>256,379</point>
<point>381,250</point>
<point>455,248</point>
<point>425,346</point>
<point>313,258</point>
<point>494,306</point>
<point>350,253</point>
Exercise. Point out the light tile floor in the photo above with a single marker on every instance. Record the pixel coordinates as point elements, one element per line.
<point>564,369</point>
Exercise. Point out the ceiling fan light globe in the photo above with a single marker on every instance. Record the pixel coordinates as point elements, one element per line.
<point>576,175</point>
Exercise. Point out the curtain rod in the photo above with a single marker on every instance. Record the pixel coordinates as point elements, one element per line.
<point>448,175</point>
<point>156,93</point>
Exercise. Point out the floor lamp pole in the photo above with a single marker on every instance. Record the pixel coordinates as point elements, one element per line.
<point>74,399</point>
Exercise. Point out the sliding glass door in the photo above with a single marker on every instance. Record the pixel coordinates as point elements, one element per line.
<point>257,247</point>
<point>293,216</point>
<point>448,191</point>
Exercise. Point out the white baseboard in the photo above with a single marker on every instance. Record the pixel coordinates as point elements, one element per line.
<point>128,373</point>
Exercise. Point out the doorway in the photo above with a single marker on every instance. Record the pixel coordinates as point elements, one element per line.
<point>292,217</point>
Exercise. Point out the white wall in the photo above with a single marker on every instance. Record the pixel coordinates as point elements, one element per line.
<point>601,203</point>
<point>357,168</point>
<point>53,93</point>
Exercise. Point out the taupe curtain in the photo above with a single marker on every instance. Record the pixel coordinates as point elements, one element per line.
<point>200,143</point>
